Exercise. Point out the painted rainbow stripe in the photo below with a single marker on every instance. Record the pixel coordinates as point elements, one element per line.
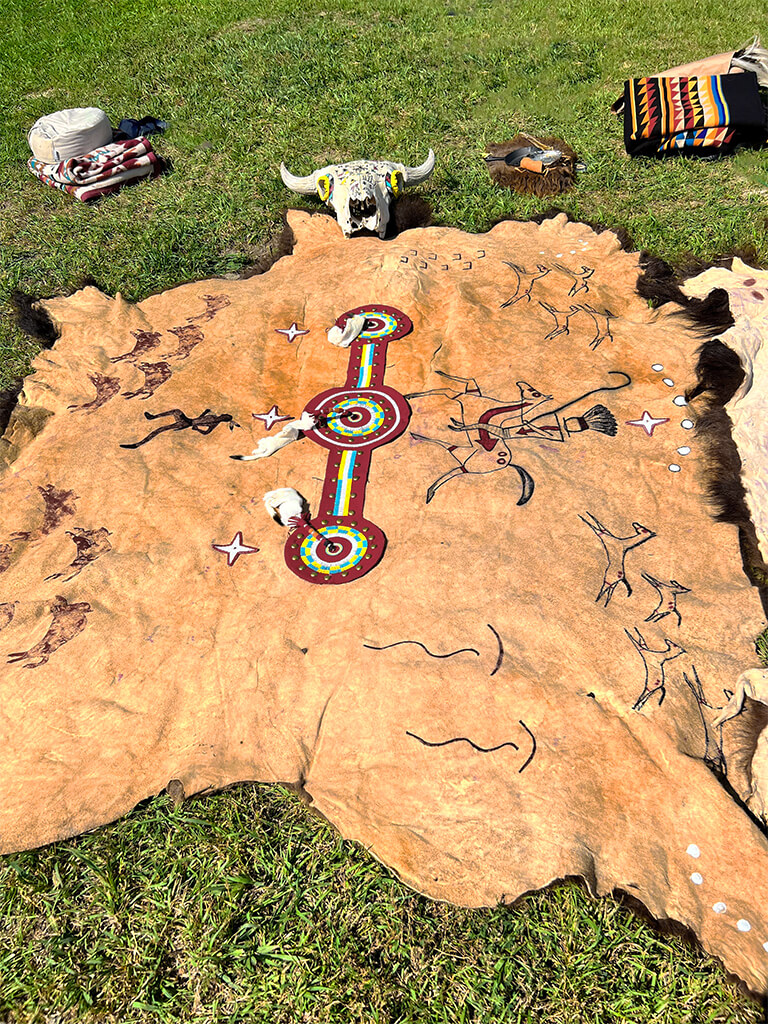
<point>366,366</point>
<point>344,483</point>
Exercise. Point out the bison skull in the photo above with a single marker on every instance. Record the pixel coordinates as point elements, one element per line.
<point>359,192</point>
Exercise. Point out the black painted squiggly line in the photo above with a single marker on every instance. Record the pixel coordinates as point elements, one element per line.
<point>463,739</point>
<point>594,391</point>
<point>418,643</point>
<point>534,746</point>
<point>500,658</point>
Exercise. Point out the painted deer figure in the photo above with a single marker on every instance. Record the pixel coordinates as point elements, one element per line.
<point>653,662</point>
<point>579,278</point>
<point>616,549</point>
<point>562,318</point>
<point>524,277</point>
<point>668,595</point>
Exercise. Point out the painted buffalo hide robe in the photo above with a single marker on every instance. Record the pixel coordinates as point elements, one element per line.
<point>493,647</point>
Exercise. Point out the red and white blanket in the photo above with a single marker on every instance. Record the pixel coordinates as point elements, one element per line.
<point>102,171</point>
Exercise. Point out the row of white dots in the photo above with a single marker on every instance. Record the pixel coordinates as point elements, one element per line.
<point>719,908</point>
<point>686,424</point>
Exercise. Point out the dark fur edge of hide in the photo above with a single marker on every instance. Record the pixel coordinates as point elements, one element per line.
<point>719,374</point>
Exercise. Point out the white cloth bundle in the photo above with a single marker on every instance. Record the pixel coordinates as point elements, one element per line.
<point>69,133</point>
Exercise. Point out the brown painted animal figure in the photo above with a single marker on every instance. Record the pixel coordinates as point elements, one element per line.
<point>57,504</point>
<point>7,612</point>
<point>106,388</point>
<point>90,544</point>
<point>155,374</point>
<point>68,621</point>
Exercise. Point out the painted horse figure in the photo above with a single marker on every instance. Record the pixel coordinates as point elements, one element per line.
<point>488,447</point>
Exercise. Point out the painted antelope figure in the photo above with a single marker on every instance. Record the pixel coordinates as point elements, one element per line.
<point>145,342</point>
<point>487,448</point>
<point>616,549</point>
<point>668,594</point>
<point>653,662</point>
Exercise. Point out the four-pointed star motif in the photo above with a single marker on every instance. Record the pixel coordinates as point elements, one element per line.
<point>235,548</point>
<point>291,332</point>
<point>648,422</point>
<point>270,418</point>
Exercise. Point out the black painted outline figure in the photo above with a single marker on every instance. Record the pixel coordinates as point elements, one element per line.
<point>205,423</point>
<point>668,595</point>
<point>522,275</point>
<point>653,662</point>
<point>483,452</point>
<point>717,762</point>
<point>562,326</point>
<point>602,321</point>
<point>562,317</point>
<point>579,279</point>
<point>616,549</point>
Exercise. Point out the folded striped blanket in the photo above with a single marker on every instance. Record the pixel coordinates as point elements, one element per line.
<point>102,171</point>
<point>695,114</point>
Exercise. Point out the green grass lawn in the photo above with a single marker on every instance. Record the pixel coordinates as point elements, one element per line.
<point>241,906</point>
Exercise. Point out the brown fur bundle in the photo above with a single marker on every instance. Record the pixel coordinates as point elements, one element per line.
<point>552,181</point>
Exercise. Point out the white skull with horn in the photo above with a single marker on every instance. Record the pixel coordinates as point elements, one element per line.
<point>359,192</point>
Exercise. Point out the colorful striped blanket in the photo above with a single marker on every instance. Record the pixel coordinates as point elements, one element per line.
<point>696,114</point>
<point>102,171</point>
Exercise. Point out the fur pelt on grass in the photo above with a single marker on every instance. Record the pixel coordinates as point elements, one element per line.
<point>552,180</point>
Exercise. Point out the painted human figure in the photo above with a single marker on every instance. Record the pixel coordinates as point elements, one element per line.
<point>205,423</point>
<point>616,549</point>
